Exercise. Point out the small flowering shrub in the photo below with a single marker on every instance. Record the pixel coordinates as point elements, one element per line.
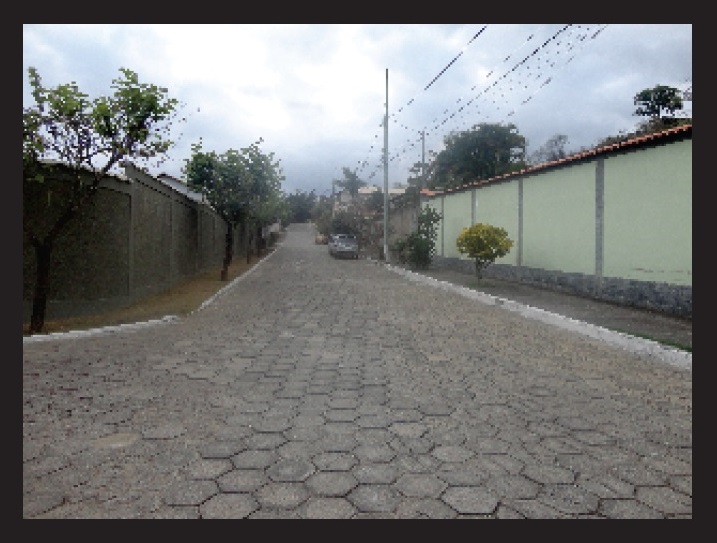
<point>484,243</point>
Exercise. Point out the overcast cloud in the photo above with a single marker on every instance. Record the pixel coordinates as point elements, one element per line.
<point>316,93</point>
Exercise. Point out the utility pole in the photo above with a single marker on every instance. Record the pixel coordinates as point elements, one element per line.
<point>385,177</point>
<point>423,159</point>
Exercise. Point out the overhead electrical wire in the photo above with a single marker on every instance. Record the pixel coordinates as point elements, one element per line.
<point>361,163</point>
<point>507,78</point>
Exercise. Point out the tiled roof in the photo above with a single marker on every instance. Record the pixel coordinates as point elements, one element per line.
<point>650,139</point>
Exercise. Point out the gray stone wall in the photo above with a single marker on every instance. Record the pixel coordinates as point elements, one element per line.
<point>137,238</point>
<point>669,299</point>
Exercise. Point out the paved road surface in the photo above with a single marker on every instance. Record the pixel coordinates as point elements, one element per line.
<point>321,388</point>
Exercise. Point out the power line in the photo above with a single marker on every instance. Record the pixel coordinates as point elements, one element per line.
<point>507,76</point>
<point>455,58</point>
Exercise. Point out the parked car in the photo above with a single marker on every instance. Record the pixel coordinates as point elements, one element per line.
<point>343,245</point>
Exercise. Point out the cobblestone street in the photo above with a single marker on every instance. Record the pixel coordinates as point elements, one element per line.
<point>324,388</point>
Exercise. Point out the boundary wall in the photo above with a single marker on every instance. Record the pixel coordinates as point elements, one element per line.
<point>613,224</point>
<point>139,237</point>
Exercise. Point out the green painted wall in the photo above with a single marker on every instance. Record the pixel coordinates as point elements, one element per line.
<point>648,215</point>
<point>498,205</point>
<point>457,211</point>
<point>559,219</point>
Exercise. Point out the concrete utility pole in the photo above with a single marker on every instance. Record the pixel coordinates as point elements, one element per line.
<point>385,176</point>
<point>423,159</point>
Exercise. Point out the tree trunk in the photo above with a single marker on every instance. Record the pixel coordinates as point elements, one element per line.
<point>228,251</point>
<point>479,269</point>
<point>249,236</point>
<point>43,253</point>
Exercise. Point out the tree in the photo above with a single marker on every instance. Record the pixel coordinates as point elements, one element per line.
<point>90,137</point>
<point>553,149</point>
<point>350,182</point>
<point>266,176</point>
<point>485,151</point>
<point>657,105</point>
<point>321,215</point>
<point>658,102</point>
<point>301,205</point>
<point>239,185</point>
<point>484,243</point>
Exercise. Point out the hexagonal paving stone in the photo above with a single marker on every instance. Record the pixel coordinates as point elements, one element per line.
<point>209,469</point>
<point>569,499</point>
<point>513,486</point>
<point>334,461</point>
<point>221,449</point>
<point>228,506</point>
<point>328,508</point>
<point>190,492</point>
<point>408,429</point>
<point>420,485</point>
<point>272,423</point>
<point>254,459</point>
<point>628,509</point>
<point>375,473</point>
<point>424,508</point>
<point>374,453</point>
<point>164,431</point>
<point>336,443</point>
<point>548,474</point>
<point>282,495</point>
<point>375,498</point>
<point>340,415</point>
<point>452,453</point>
<point>331,483</point>
<point>290,470</point>
<point>263,441</point>
<point>471,500</point>
<point>435,409</point>
<point>242,480</point>
<point>665,499</point>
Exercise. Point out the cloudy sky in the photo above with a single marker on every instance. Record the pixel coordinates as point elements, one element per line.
<point>316,93</point>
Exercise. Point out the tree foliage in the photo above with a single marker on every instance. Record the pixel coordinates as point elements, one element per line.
<point>484,243</point>
<point>658,101</point>
<point>242,186</point>
<point>485,151</point>
<point>553,149</point>
<point>301,205</point>
<point>321,215</point>
<point>350,182</point>
<point>89,137</point>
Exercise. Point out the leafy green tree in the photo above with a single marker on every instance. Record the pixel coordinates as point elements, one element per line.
<point>266,176</point>
<point>321,215</point>
<point>240,186</point>
<point>484,243</point>
<point>90,137</point>
<point>301,205</point>
<point>657,102</point>
<point>483,152</point>
<point>351,182</point>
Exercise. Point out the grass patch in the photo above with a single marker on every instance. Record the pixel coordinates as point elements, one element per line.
<point>180,301</point>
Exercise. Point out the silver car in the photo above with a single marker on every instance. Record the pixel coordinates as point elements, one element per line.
<point>343,245</point>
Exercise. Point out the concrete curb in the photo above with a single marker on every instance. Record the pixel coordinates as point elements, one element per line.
<point>645,347</point>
